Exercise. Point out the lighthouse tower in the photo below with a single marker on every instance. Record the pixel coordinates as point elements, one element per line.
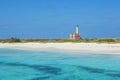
<point>76,35</point>
<point>77,29</point>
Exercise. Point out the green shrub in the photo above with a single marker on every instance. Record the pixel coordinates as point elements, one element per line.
<point>10,40</point>
<point>14,40</point>
<point>106,40</point>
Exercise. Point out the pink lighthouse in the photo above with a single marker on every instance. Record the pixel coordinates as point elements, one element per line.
<point>76,35</point>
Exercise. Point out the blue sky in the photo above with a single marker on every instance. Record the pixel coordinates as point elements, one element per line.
<point>58,18</point>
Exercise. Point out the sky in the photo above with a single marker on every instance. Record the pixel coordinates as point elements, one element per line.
<point>58,18</point>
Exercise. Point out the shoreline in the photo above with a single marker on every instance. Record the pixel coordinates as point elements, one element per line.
<point>66,47</point>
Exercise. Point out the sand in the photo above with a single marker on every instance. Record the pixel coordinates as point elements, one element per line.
<point>70,47</point>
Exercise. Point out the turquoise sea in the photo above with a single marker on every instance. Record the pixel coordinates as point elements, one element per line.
<point>49,65</point>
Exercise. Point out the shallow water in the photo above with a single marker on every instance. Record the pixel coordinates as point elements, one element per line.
<point>44,65</point>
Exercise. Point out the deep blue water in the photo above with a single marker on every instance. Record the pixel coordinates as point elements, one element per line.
<point>44,65</point>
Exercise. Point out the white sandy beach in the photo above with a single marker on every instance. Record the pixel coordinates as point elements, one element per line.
<point>75,47</point>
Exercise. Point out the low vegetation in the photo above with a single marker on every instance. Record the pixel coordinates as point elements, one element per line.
<point>86,40</point>
<point>106,40</point>
<point>10,40</point>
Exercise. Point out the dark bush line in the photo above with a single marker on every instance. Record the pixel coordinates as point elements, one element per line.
<point>10,40</point>
<point>106,40</point>
<point>86,40</point>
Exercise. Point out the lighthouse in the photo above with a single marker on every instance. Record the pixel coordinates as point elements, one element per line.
<point>77,29</point>
<point>76,35</point>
